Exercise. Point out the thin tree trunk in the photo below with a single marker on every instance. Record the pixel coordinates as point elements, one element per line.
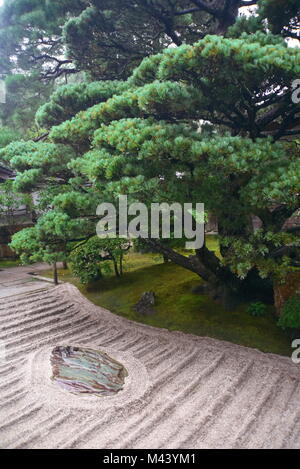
<point>55,274</point>
<point>116,267</point>
<point>121,263</point>
<point>226,15</point>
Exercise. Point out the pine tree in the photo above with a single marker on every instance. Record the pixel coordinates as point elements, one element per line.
<point>138,140</point>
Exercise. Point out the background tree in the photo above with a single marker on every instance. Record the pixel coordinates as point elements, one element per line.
<point>33,246</point>
<point>31,36</point>
<point>32,55</point>
<point>8,135</point>
<point>283,17</point>
<point>106,38</point>
<point>24,95</point>
<point>10,203</point>
<point>45,42</point>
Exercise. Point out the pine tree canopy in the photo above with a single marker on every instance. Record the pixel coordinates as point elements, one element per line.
<point>211,120</point>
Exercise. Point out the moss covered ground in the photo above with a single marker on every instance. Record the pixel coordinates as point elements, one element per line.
<point>4,264</point>
<point>177,307</point>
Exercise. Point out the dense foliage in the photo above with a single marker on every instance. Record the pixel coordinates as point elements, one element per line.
<point>290,318</point>
<point>43,42</point>
<point>105,38</point>
<point>91,259</point>
<point>210,122</point>
<point>257,310</point>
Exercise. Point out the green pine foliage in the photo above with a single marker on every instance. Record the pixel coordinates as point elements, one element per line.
<point>68,100</point>
<point>208,121</point>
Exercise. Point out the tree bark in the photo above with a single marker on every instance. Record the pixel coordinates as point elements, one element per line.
<point>222,284</point>
<point>166,259</point>
<point>227,15</point>
<point>116,267</point>
<point>121,263</point>
<point>55,274</point>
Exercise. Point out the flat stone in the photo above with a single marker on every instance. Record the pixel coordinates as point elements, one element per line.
<point>87,371</point>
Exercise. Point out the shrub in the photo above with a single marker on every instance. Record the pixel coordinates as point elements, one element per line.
<point>93,257</point>
<point>257,309</point>
<point>290,318</point>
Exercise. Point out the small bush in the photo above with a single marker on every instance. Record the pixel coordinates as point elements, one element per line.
<point>290,318</point>
<point>91,259</point>
<point>257,309</point>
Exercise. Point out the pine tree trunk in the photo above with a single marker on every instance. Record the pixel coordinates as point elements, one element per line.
<point>221,284</point>
<point>166,259</point>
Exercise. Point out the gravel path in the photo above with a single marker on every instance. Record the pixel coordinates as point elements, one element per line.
<point>15,281</point>
<point>182,391</point>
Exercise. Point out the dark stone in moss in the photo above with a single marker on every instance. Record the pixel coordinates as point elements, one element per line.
<point>200,290</point>
<point>145,305</point>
